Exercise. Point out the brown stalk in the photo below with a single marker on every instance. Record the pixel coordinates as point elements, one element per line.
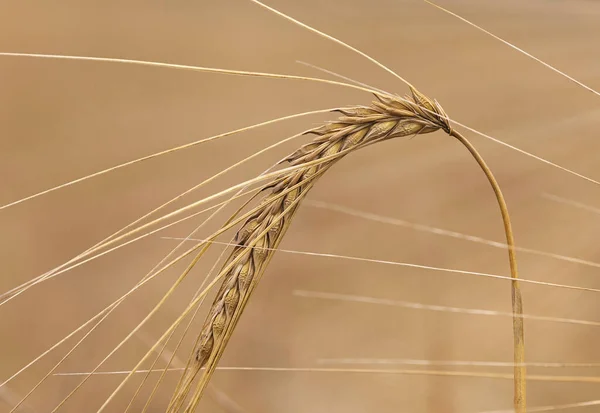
<point>517,302</point>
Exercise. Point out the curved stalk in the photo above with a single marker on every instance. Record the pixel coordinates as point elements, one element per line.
<point>517,302</point>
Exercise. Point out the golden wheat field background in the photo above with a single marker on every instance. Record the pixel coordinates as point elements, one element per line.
<point>392,202</point>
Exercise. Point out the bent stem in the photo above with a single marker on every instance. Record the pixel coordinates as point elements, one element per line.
<point>517,302</point>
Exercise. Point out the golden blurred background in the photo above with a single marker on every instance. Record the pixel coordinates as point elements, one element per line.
<point>61,120</point>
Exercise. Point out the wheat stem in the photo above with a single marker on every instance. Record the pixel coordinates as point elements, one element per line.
<point>517,302</point>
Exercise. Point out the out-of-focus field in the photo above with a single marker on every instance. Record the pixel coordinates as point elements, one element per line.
<point>60,120</point>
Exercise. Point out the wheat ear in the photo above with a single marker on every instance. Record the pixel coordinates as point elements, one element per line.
<point>386,118</point>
